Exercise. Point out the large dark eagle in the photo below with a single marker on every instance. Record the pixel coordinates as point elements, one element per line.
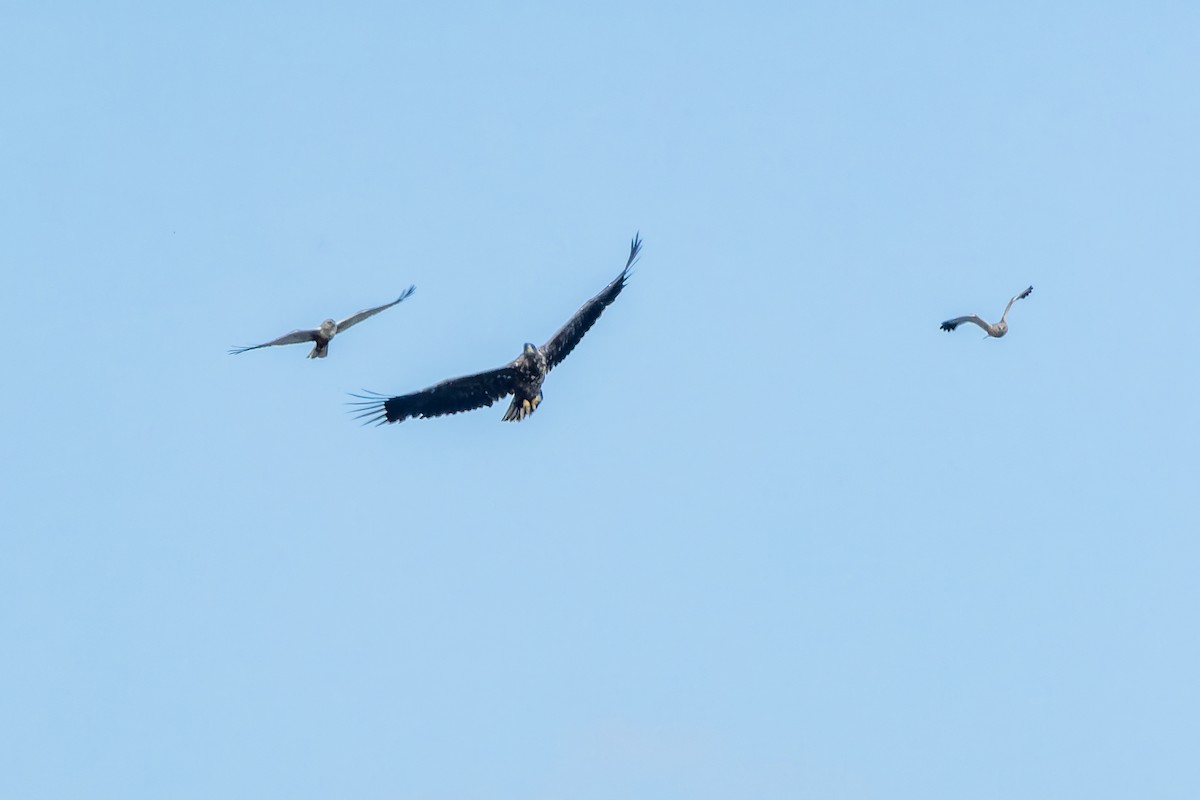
<point>522,378</point>
<point>997,330</point>
<point>327,331</point>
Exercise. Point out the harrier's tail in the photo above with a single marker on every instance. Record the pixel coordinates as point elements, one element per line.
<point>320,350</point>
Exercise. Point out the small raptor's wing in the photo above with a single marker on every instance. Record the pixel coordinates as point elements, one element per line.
<point>951,324</point>
<point>1020,296</point>
<point>354,319</point>
<point>295,337</point>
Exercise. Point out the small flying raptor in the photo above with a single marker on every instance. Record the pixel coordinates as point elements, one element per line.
<point>522,378</point>
<point>997,330</point>
<point>327,331</point>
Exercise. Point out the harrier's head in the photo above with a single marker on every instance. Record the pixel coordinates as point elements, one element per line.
<point>328,327</point>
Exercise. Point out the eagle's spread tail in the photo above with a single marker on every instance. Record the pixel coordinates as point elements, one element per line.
<point>520,408</point>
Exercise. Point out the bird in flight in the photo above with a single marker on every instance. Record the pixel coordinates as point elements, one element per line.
<point>522,378</point>
<point>997,330</point>
<point>327,331</point>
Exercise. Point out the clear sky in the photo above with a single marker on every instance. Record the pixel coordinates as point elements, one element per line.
<point>772,534</point>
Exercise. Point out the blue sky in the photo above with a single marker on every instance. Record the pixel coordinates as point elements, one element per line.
<point>771,533</point>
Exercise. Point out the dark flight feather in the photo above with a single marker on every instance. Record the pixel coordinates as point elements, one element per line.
<point>563,342</point>
<point>448,397</point>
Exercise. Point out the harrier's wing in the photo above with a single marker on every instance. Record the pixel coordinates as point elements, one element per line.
<point>295,337</point>
<point>563,342</point>
<point>951,324</point>
<point>1020,296</point>
<point>354,319</point>
<point>448,397</point>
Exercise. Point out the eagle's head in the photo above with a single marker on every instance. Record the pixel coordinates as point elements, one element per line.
<point>529,349</point>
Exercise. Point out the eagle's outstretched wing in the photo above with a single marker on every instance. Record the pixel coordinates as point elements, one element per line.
<point>951,324</point>
<point>295,337</point>
<point>448,397</point>
<point>1020,296</point>
<point>563,342</point>
<point>354,319</point>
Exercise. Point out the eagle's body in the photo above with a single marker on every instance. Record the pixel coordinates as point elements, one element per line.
<point>522,378</point>
<point>996,330</point>
<point>531,368</point>
<point>322,335</point>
